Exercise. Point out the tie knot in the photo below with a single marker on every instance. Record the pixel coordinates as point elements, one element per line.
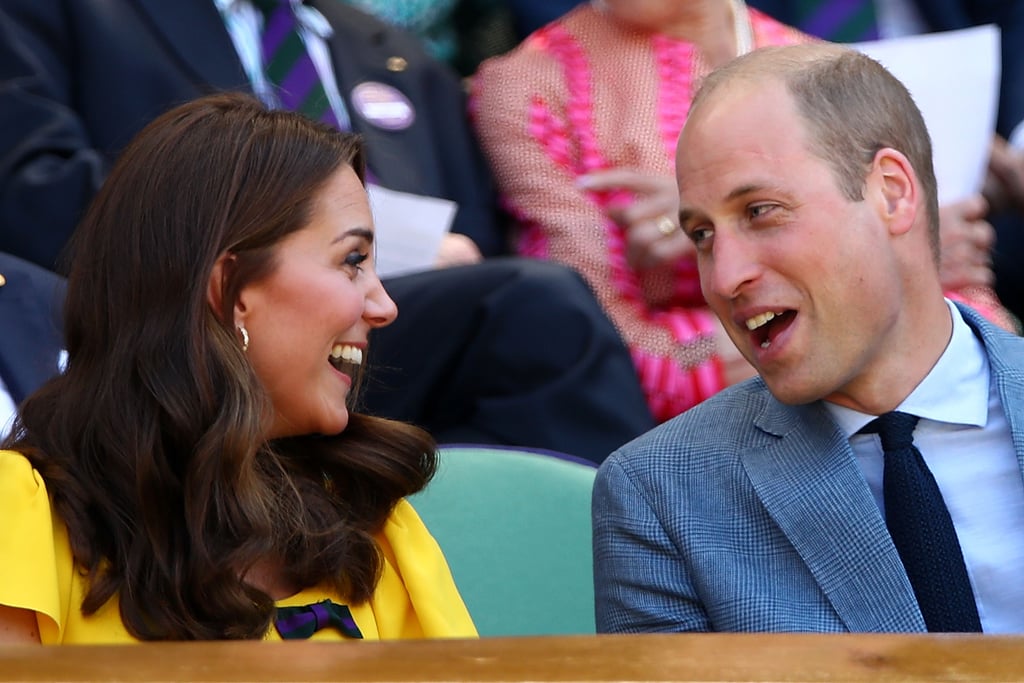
<point>895,429</point>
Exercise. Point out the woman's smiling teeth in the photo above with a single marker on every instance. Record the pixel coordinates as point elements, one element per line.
<point>346,353</point>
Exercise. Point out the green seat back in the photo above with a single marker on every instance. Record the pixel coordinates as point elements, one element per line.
<point>515,528</point>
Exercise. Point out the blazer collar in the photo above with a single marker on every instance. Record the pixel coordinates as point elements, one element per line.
<point>1006,360</point>
<point>811,486</point>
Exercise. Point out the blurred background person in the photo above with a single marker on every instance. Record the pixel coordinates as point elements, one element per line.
<point>205,473</point>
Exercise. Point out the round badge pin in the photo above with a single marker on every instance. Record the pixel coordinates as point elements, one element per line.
<point>383,105</point>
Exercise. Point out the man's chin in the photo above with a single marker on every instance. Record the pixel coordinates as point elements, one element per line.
<point>791,393</point>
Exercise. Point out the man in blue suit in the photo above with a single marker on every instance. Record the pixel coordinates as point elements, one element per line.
<point>806,184</point>
<point>31,342</point>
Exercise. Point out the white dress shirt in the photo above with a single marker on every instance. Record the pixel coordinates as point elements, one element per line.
<point>7,410</point>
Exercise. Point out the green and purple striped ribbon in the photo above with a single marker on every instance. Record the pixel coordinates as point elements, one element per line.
<point>305,620</point>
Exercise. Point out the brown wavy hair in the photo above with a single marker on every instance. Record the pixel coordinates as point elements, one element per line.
<point>150,443</point>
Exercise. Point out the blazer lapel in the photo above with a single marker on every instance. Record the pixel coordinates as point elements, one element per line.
<point>194,31</point>
<point>810,484</point>
<point>1011,393</point>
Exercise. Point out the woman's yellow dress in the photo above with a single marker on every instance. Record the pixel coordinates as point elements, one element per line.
<point>416,596</point>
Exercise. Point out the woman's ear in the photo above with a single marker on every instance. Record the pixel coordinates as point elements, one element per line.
<point>897,186</point>
<point>216,288</point>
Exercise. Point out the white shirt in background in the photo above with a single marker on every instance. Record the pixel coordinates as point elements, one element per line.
<point>7,410</point>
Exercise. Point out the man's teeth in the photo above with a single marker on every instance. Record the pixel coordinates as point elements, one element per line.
<point>348,353</point>
<point>760,319</point>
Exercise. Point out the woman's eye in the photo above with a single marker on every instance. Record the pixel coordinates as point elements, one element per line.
<point>355,259</point>
<point>758,210</point>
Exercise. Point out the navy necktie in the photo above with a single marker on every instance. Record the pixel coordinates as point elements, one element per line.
<point>922,530</point>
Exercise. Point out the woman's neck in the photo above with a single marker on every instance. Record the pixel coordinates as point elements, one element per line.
<point>269,577</point>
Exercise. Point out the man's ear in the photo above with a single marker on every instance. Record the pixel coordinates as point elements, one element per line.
<point>220,275</point>
<point>895,183</point>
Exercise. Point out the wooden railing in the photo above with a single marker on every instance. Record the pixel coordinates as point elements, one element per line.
<point>680,657</point>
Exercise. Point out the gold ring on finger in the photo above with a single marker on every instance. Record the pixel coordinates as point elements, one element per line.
<point>666,226</point>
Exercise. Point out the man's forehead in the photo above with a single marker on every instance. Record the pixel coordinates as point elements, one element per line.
<point>740,96</point>
<point>748,119</point>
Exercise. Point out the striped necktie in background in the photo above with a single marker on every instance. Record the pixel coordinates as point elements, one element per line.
<point>841,21</point>
<point>288,65</point>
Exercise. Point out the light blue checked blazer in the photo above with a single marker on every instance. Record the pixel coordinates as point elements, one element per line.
<point>744,514</point>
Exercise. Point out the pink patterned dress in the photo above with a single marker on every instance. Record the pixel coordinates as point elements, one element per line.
<point>584,94</point>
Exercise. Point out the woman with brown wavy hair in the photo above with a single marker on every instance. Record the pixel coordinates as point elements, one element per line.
<point>198,472</point>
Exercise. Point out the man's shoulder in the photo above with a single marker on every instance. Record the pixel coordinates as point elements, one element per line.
<point>722,423</point>
<point>1005,349</point>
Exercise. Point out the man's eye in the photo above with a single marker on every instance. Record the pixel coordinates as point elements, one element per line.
<point>699,234</point>
<point>758,210</point>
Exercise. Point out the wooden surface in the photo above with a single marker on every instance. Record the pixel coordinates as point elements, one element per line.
<point>710,657</point>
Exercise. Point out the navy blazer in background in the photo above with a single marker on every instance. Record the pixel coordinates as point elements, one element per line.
<point>947,15</point>
<point>81,78</point>
<point>31,340</point>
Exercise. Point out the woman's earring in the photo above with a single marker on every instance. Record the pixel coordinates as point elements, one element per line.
<point>245,338</point>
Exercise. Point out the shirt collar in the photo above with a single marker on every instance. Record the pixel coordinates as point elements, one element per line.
<point>312,20</point>
<point>962,365</point>
<point>309,17</point>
